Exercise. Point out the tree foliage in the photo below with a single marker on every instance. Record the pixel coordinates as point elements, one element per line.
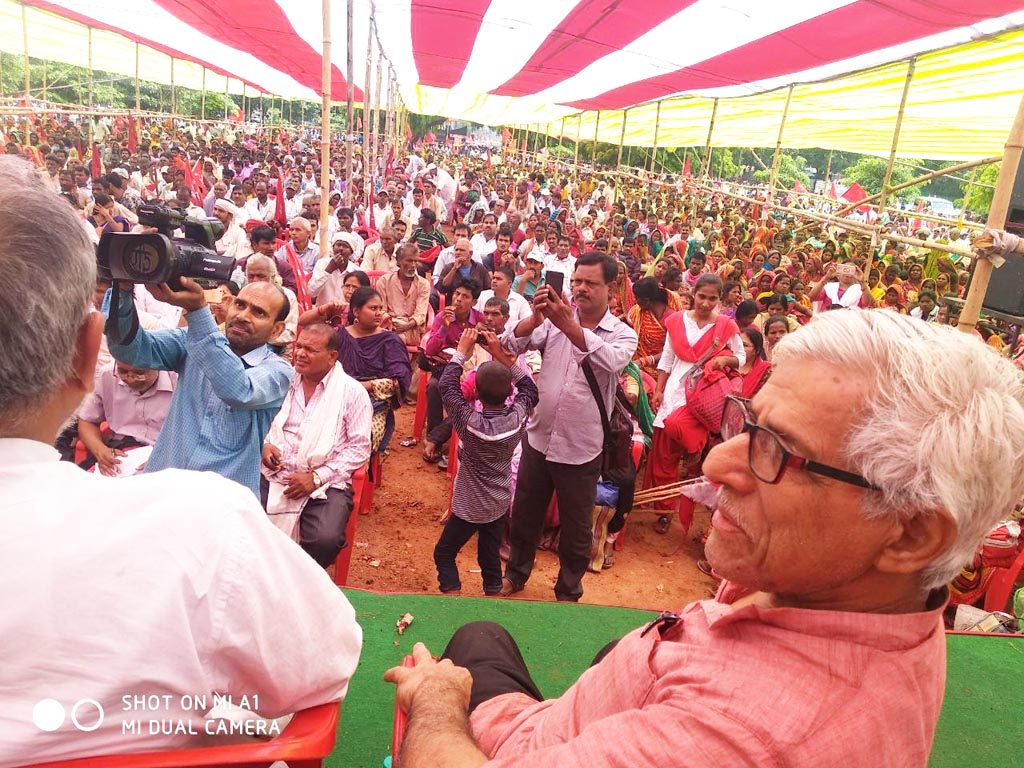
<point>791,169</point>
<point>979,199</point>
<point>869,172</point>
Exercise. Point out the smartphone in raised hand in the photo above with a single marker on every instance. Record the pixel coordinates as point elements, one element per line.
<point>556,280</point>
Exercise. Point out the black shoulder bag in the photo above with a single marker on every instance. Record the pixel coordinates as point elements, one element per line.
<point>617,452</point>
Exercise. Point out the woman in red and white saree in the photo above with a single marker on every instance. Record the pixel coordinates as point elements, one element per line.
<point>697,334</point>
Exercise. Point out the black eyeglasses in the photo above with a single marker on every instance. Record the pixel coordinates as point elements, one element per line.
<point>767,457</point>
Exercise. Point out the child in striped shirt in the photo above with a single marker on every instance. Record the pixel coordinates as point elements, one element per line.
<point>482,495</point>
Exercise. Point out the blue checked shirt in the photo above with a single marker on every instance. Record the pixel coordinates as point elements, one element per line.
<point>224,404</point>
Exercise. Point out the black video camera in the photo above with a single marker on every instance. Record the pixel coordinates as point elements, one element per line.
<point>161,258</point>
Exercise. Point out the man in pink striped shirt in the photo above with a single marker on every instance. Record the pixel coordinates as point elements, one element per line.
<point>841,515</point>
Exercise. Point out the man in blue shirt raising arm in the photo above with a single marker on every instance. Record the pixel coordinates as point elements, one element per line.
<point>230,385</point>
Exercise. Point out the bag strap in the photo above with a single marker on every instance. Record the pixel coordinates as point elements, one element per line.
<point>588,372</point>
<point>717,344</point>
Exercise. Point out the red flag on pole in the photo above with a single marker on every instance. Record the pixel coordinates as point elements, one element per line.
<point>687,168</point>
<point>198,186</point>
<point>280,215</point>
<point>301,291</point>
<point>96,168</point>
<point>133,136</point>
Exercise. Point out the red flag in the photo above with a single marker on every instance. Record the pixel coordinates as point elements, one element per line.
<point>373,222</point>
<point>198,187</point>
<point>301,292</point>
<point>687,168</point>
<point>506,136</point>
<point>408,133</point>
<point>280,216</point>
<point>799,188</point>
<point>430,255</point>
<point>133,136</point>
<point>96,168</point>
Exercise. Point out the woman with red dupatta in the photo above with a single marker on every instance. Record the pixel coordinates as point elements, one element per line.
<point>693,335</point>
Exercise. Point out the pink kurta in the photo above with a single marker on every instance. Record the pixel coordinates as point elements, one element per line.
<point>748,687</point>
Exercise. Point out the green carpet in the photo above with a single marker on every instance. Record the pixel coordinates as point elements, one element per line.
<point>979,726</point>
<point>980,723</point>
<point>558,641</point>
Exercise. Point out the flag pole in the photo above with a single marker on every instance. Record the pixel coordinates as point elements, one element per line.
<point>350,118</point>
<point>325,127</point>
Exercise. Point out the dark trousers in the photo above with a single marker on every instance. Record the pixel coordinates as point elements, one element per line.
<point>488,651</point>
<point>454,537</point>
<point>576,486</point>
<point>435,408</point>
<point>322,523</point>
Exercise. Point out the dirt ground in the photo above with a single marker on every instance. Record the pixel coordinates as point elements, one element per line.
<point>394,545</point>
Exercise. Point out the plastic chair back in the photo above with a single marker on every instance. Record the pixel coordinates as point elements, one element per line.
<point>360,486</point>
<point>1001,585</point>
<point>398,731</point>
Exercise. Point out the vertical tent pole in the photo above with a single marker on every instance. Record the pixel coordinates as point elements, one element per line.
<point>202,98</point>
<point>706,161</point>
<point>561,132</point>
<point>597,125</point>
<point>579,130</point>
<point>24,39</point>
<point>89,29</point>
<point>367,93</point>
<point>138,94</point>
<point>773,178</point>
<point>967,195</point>
<point>657,124</point>
<point>227,83</point>
<point>547,136</point>
<point>174,91</point>
<point>622,140</point>
<point>325,125</point>
<point>302,111</point>
<point>45,93</point>
<point>376,112</point>
<point>911,66</point>
<point>349,95</point>
<point>828,167</point>
<point>996,220</point>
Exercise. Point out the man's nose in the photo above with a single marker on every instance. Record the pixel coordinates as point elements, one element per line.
<point>727,464</point>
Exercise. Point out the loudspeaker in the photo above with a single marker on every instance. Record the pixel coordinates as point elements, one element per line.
<point>1006,288</point>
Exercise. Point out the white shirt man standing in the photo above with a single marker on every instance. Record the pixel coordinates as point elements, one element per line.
<point>233,242</point>
<point>203,574</point>
<point>320,437</point>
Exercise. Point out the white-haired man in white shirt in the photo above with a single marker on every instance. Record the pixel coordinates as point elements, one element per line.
<point>170,584</point>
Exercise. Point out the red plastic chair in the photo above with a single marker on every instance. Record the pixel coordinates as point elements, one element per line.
<point>374,481</point>
<point>374,276</point>
<point>398,730</point>
<point>1000,587</point>
<point>81,452</point>
<point>304,743</point>
<point>360,487</point>
<point>419,420</point>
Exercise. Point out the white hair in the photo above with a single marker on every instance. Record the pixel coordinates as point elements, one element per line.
<point>302,222</point>
<point>941,426</point>
<point>49,270</point>
<point>257,259</point>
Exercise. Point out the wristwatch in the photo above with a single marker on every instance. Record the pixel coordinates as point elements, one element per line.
<point>317,482</point>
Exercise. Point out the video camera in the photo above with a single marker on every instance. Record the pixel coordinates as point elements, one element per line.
<point>161,258</point>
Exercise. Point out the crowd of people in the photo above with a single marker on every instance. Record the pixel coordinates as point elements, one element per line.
<point>560,319</point>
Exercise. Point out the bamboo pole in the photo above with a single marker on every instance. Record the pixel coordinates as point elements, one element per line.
<point>226,88</point>
<point>138,93</point>
<point>657,125</point>
<point>202,98</point>
<point>350,108</point>
<point>773,178</point>
<point>967,194</point>
<point>622,140</point>
<point>367,92</point>
<point>325,124</point>
<point>883,197</point>
<point>593,156</point>
<point>828,167</point>
<point>89,29</point>
<point>45,94</point>
<point>706,162</point>
<point>579,130</point>
<point>174,91</point>
<point>996,220</point>
<point>24,38</point>
<point>919,180</point>
<point>375,150</point>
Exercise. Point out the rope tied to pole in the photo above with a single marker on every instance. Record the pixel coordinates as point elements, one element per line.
<point>995,245</point>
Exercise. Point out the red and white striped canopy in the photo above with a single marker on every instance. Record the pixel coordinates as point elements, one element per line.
<point>568,54</point>
<point>535,61</point>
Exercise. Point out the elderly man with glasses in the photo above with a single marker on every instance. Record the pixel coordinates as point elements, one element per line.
<point>840,514</point>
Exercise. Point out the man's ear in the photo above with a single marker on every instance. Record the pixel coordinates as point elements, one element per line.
<point>918,542</point>
<point>87,349</point>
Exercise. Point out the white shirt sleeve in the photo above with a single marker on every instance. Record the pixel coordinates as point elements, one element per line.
<point>319,278</point>
<point>274,623</point>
